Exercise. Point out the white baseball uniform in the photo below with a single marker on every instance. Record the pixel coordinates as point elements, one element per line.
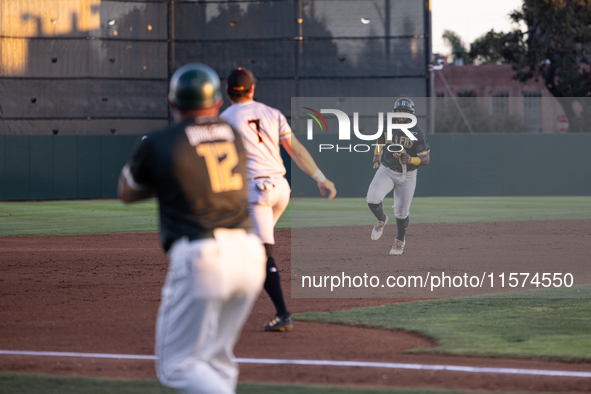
<point>210,289</point>
<point>262,128</point>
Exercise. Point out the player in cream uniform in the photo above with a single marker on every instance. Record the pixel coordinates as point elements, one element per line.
<point>263,130</point>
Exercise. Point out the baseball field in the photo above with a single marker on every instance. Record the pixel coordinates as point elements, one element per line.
<point>81,280</point>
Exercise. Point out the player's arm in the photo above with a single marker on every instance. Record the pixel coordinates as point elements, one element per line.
<point>422,160</point>
<point>135,180</point>
<point>377,153</point>
<point>306,163</point>
<point>129,190</point>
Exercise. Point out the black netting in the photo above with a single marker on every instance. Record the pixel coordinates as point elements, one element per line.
<point>69,60</point>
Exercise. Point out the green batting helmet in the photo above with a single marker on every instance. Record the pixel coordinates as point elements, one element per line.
<point>405,103</point>
<point>194,85</point>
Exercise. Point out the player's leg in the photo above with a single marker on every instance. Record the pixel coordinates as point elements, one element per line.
<point>262,217</point>
<point>379,187</point>
<point>233,315</point>
<point>280,198</point>
<point>187,320</point>
<point>265,209</point>
<point>282,320</point>
<point>403,194</point>
<point>243,262</point>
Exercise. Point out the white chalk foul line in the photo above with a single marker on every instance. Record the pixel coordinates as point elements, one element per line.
<point>366,364</point>
<point>69,354</point>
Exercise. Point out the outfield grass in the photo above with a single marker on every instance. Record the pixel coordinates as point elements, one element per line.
<point>112,216</point>
<point>309,212</point>
<point>549,328</point>
<point>76,217</point>
<point>83,217</point>
<point>41,384</point>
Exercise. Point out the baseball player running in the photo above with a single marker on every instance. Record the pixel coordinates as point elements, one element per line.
<point>197,169</point>
<point>263,128</point>
<point>397,162</point>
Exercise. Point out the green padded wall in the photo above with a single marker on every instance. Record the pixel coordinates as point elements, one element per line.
<point>64,167</point>
<point>468,165</point>
<point>41,171</point>
<point>17,168</point>
<point>65,180</point>
<point>88,165</point>
<point>2,169</point>
<point>71,167</point>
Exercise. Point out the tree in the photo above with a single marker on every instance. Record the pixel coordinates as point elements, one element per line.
<point>489,48</point>
<point>458,48</point>
<point>486,49</point>
<point>556,47</point>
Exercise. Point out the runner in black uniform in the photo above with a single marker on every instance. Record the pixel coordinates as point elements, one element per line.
<point>197,169</point>
<point>392,159</point>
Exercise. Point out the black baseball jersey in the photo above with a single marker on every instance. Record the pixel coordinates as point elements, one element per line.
<point>419,148</point>
<point>198,170</point>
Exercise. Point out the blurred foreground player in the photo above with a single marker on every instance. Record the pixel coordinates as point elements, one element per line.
<point>197,169</point>
<point>263,129</point>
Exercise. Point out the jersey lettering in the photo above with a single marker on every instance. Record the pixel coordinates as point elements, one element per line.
<point>404,141</point>
<point>221,158</point>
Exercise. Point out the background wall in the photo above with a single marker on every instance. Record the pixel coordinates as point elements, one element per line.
<point>100,67</point>
<point>468,165</point>
<point>69,167</point>
<point>66,167</point>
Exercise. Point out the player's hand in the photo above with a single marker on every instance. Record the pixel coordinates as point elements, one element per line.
<point>405,158</point>
<point>377,160</point>
<point>327,185</point>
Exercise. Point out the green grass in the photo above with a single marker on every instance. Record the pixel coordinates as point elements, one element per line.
<point>112,216</point>
<point>308,212</point>
<point>83,217</point>
<point>41,384</point>
<point>549,328</point>
<point>76,217</point>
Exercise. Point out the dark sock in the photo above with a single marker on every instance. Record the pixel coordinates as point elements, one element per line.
<point>402,224</point>
<point>273,287</point>
<point>377,211</point>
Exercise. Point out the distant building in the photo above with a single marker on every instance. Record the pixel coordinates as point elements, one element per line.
<point>495,91</point>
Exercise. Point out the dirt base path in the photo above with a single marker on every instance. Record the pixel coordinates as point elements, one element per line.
<point>100,294</point>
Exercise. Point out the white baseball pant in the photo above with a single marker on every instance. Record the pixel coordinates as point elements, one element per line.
<point>384,181</point>
<point>266,206</point>
<point>209,291</point>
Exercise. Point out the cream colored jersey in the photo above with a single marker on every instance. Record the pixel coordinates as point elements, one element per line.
<point>261,128</point>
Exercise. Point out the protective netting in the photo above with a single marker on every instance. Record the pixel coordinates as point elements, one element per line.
<point>93,67</point>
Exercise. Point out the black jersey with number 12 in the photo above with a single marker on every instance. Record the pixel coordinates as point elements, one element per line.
<point>198,170</point>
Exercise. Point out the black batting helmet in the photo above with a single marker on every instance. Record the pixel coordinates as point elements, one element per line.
<point>194,85</point>
<point>404,103</point>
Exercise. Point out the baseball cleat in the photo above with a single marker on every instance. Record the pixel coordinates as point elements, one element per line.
<point>398,247</point>
<point>279,323</point>
<point>378,229</point>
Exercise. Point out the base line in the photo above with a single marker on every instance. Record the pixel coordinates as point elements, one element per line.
<point>425,367</point>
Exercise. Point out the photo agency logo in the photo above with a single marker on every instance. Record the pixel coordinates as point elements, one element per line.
<point>394,121</point>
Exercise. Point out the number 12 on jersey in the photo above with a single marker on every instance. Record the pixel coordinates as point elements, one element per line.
<point>221,158</point>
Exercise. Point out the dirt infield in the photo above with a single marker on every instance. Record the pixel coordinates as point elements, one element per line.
<point>100,294</point>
